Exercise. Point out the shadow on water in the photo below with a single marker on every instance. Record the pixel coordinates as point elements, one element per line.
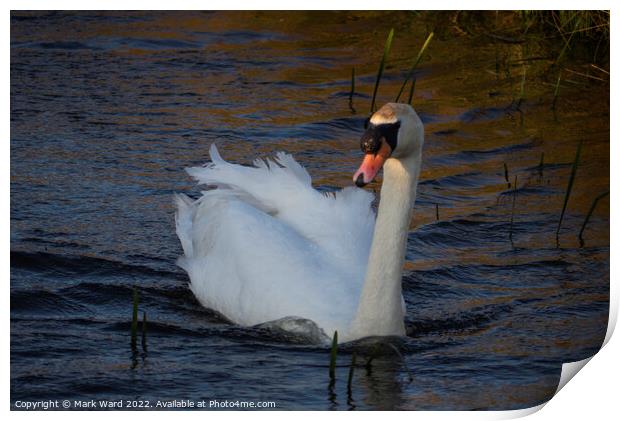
<point>108,108</point>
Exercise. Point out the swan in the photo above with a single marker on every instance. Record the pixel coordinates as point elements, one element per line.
<point>264,245</point>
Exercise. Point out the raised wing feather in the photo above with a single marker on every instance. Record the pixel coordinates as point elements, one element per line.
<point>341,223</point>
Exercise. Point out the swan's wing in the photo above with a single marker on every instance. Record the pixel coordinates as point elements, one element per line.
<point>341,223</point>
<point>268,185</point>
<point>254,268</point>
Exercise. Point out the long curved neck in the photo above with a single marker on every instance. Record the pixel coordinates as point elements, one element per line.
<point>380,311</point>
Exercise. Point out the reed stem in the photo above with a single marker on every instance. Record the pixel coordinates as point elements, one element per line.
<point>570,186</point>
<point>134,318</point>
<point>332,356</point>
<point>566,45</point>
<point>541,164</point>
<point>557,90</point>
<point>585,222</point>
<point>506,174</point>
<point>415,64</point>
<point>351,369</point>
<point>411,91</point>
<point>512,212</point>
<point>352,90</point>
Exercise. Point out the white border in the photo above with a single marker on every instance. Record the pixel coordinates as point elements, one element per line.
<point>310,5</point>
<point>593,394</point>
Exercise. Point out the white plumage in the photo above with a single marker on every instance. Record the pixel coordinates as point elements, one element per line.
<point>265,244</point>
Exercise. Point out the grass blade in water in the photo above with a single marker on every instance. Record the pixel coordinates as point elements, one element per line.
<point>134,318</point>
<point>557,91</point>
<point>512,213</point>
<point>386,51</point>
<point>332,356</point>
<point>411,91</point>
<point>566,45</point>
<point>415,64</point>
<point>351,370</point>
<point>570,186</point>
<point>352,90</point>
<point>585,222</point>
<point>541,164</point>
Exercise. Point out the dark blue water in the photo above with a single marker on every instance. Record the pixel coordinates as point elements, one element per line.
<point>108,108</point>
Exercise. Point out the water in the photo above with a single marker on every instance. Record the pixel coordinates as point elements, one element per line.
<point>108,108</point>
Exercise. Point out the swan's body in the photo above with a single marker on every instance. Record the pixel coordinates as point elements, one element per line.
<point>265,245</point>
<point>271,246</point>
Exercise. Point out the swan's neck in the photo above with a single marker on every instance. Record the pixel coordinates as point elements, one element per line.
<point>380,310</point>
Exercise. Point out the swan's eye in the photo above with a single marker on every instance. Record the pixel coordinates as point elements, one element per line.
<point>371,146</point>
<point>371,140</point>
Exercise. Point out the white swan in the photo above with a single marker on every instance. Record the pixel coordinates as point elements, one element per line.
<point>265,245</point>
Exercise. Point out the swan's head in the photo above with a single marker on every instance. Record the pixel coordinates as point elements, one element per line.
<point>394,131</point>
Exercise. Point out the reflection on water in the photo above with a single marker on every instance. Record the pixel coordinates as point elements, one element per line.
<point>108,108</point>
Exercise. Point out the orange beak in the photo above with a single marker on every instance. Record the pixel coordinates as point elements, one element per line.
<point>371,165</point>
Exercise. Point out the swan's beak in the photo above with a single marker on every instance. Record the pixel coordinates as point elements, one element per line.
<point>371,164</point>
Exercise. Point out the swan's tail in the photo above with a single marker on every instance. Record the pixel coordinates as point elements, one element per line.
<point>183,218</point>
<point>268,185</point>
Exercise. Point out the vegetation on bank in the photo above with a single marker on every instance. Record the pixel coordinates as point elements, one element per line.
<point>584,24</point>
<point>578,34</point>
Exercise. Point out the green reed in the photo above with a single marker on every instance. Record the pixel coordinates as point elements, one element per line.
<point>134,318</point>
<point>566,46</point>
<point>585,222</point>
<point>584,23</point>
<point>386,51</point>
<point>351,370</point>
<point>411,91</point>
<point>557,91</point>
<point>415,64</point>
<point>332,356</point>
<point>541,164</point>
<point>512,212</point>
<point>352,90</point>
<point>506,174</point>
<point>570,186</point>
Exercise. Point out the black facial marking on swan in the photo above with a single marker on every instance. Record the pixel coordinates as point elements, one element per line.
<point>371,139</point>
